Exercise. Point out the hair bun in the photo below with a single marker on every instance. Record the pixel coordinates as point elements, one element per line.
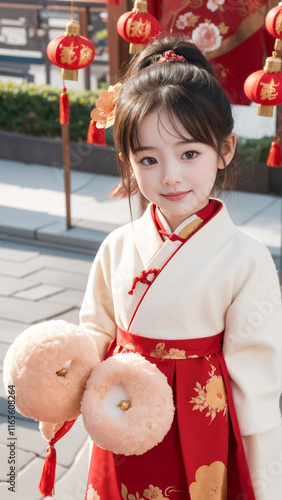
<point>194,56</point>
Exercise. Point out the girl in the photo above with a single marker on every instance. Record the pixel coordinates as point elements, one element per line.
<point>190,292</point>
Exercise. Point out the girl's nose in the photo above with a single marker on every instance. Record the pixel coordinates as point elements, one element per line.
<point>171,176</point>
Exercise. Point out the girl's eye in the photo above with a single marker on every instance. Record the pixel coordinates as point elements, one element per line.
<point>189,155</point>
<point>149,161</point>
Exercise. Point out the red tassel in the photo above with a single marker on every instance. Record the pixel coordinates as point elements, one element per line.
<point>47,481</point>
<point>64,108</point>
<point>112,3</point>
<point>96,135</point>
<point>275,154</point>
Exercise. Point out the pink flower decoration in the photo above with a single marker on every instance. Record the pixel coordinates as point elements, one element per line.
<point>207,37</point>
<point>104,113</point>
<point>213,5</point>
<point>181,23</point>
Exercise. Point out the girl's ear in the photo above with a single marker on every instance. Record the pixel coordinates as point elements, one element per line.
<point>120,157</point>
<point>228,150</point>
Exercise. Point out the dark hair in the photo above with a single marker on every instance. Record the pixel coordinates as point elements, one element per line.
<point>190,94</point>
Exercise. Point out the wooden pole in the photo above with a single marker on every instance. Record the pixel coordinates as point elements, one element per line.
<point>118,47</point>
<point>67,166</point>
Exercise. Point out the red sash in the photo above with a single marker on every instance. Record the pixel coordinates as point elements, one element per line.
<point>203,451</point>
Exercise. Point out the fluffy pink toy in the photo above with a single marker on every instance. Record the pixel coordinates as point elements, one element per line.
<point>49,365</point>
<point>145,411</point>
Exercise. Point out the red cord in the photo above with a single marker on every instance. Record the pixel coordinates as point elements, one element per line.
<point>143,278</point>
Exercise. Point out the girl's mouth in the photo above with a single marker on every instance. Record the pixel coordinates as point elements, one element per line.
<point>176,196</point>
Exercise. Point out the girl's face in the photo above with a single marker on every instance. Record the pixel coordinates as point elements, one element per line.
<point>176,175</point>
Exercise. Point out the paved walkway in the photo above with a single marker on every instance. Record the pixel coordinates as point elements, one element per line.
<point>43,274</point>
<point>39,283</point>
<point>32,206</point>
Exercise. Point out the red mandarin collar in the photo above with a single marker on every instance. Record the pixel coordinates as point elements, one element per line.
<point>205,214</point>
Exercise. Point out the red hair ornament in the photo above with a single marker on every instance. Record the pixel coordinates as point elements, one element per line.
<point>170,56</point>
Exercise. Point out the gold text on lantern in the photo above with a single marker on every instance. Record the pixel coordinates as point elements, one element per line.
<point>268,91</point>
<point>68,54</point>
<point>85,54</point>
<point>138,28</point>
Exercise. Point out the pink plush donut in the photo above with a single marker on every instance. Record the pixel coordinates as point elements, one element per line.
<point>127,406</point>
<point>49,365</point>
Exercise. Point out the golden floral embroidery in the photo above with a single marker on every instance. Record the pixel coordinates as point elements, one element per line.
<point>92,494</point>
<point>116,349</point>
<point>152,493</point>
<point>223,28</point>
<point>224,71</point>
<point>173,353</point>
<point>130,347</point>
<point>210,482</point>
<point>211,397</point>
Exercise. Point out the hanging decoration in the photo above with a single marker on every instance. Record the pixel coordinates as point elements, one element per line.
<point>137,26</point>
<point>275,154</point>
<point>273,23</point>
<point>95,135</point>
<point>70,52</point>
<point>265,86</point>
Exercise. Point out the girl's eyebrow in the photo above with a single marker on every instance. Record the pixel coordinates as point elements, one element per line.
<point>184,141</point>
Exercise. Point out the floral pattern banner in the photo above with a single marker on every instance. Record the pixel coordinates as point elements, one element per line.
<point>231,33</point>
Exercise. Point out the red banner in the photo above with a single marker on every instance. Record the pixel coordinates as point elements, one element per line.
<point>230,32</point>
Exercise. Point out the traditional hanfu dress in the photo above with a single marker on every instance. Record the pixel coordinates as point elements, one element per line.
<point>204,305</point>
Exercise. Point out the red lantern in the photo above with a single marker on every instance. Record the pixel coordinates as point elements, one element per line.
<point>71,51</point>
<point>273,23</point>
<point>265,86</point>
<point>137,26</point>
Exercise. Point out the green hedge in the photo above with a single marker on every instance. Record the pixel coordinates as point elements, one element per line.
<point>254,150</point>
<point>34,110</point>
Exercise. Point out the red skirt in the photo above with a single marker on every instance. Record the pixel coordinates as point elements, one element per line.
<point>202,456</point>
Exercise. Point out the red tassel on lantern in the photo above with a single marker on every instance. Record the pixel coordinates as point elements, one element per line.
<point>96,135</point>
<point>275,154</point>
<point>47,481</point>
<point>64,108</point>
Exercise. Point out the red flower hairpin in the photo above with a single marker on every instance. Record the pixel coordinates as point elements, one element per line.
<point>170,56</point>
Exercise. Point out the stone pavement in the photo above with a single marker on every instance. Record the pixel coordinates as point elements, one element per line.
<point>43,275</point>
<point>38,284</point>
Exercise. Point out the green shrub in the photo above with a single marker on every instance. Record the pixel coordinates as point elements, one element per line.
<point>34,110</point>
<point>254,150</point>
